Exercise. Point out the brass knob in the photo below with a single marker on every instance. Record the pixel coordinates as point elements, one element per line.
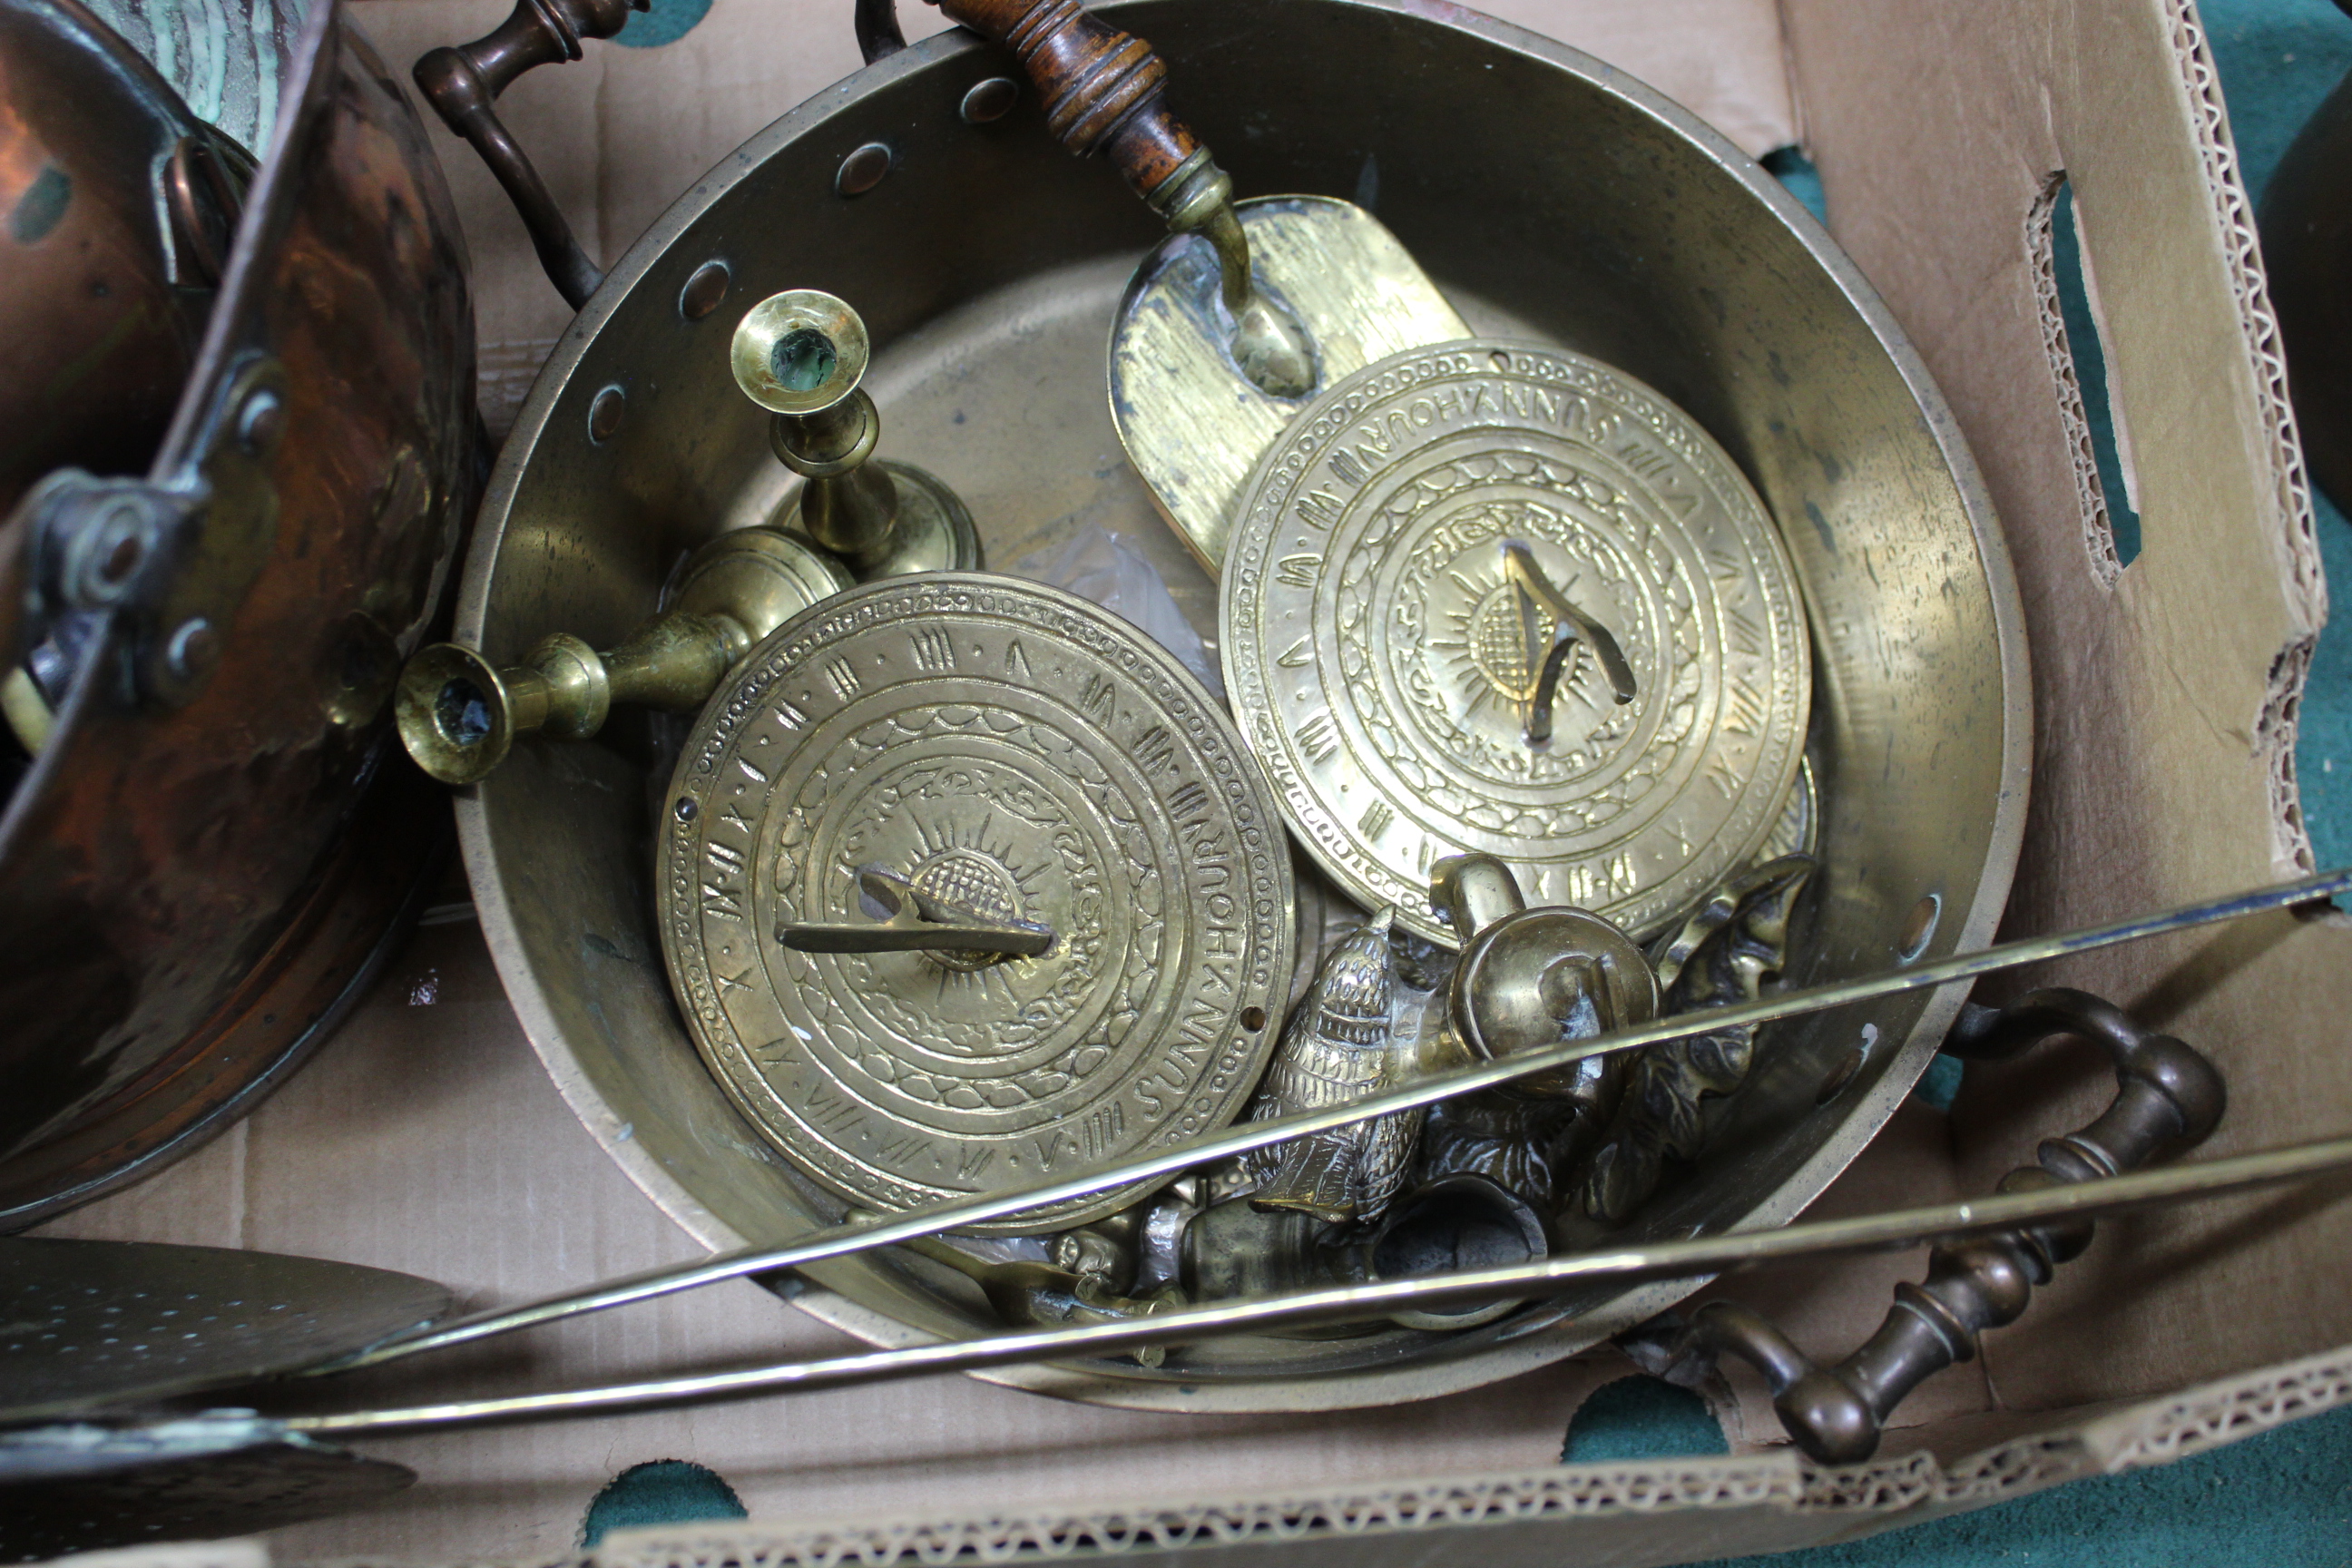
<point>460,714</point>
<point>801,355</point>
<point>1533,977</point>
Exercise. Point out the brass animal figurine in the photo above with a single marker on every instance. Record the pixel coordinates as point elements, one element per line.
<point>1334,1052</point>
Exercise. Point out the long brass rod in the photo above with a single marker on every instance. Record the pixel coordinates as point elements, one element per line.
<point>1693,1259</point>
<point>843,1241</point>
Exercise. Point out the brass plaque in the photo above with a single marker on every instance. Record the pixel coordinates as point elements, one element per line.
<point>1017,756</point>
<point>1379,655</point>
<point>1192,424</point>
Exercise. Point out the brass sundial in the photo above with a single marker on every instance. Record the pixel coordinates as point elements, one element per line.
<point>965,884</point>
<point>1491,598</point>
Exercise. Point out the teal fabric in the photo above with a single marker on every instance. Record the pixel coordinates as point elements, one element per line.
<point>664,1492</point>
<point>2280,1501</point>
<point>663,22</point>
<point>1641,1419</point>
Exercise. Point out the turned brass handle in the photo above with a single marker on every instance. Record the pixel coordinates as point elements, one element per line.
<point>462,83</point>
<point>2167,1098</point>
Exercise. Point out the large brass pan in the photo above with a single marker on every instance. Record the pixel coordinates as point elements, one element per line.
<point>1555,200</point>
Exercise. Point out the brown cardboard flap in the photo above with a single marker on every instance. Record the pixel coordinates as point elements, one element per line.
<point>2164,695</point>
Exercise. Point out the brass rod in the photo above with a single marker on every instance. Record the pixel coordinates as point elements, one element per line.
<point>842,1241</point>
<point>1694,1260</point>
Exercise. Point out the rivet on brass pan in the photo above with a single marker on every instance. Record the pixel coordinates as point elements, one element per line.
<point>260,421</point>
<point>989,100</point>
<point>194,647</point>
<point>704,291</point>
<point>604,415</point>
<point>862,170</point>
<point>1919,928</point>
<point>1840,1076</point>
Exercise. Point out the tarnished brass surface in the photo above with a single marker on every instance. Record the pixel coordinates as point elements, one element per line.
<point>212,847</point>
<point>989,279</point>
<point>1374,640</point>
<point>1192,423</point>
<point>1014,750</point>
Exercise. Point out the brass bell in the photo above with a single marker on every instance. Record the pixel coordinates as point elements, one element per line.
<point>801,355</point>
<point>460,714</point>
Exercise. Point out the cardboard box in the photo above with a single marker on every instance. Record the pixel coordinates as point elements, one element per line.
<point>427,1138</point>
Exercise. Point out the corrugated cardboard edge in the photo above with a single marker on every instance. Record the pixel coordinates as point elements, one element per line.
<point>1777,1499</point>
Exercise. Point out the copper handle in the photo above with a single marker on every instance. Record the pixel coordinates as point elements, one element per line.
<point>2168,1098</point>
<point>1103,89</point>
<point>463,83</point>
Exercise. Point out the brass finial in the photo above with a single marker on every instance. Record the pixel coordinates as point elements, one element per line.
<point>460,714</point>
<point>801,355</point>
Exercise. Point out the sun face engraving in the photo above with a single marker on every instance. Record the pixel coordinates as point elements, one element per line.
<point>974,873</point>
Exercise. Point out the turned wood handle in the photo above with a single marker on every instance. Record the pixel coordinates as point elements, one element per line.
<point>463,83</point>
<point>1103,89</point>
<point>2168,1096</point>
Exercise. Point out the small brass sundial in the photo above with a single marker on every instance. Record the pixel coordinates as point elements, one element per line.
<point>967,884</point>
<point>1491,598</point>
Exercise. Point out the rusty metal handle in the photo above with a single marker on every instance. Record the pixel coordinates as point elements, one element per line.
<point>2167,1098</point>
<point>463,83</point>
<point>1103,88</point>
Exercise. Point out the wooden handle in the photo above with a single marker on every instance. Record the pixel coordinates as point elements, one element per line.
<point>1103,89</point>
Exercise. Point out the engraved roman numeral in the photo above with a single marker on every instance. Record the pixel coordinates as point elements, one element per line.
<point>934,649</point>
<point>1319,737</point>
<point>1187,803</point>
<point>777,1052</point>
<point>1101,1129</point>
<point>725,858</point>
<point>722,902</point>
<point>1016,662</point>
<point>1298,571</point>
<point>1376,819</point>
<point>754,775</point>
<point>1747,637</point>
<point>729,981</point>
<point>735,818</point>
<point>1719,774</point>
<point>973,1161</point>
<point>1643,460</point>
<point>1155,750</point>
<point>1722,565</point>
<point>1745,708</point>
<point>1049,1148</point>
<point>1294,656</point>
<point>1349,471</point>
<point>1098,698</point>
<point>829,1110</point>
<point>899,1151</point>
<point>1318,509</point>
<point>842,678</point>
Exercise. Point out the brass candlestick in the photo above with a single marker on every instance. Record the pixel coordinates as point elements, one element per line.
<point>460,714</point>
<point>801,355</point>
